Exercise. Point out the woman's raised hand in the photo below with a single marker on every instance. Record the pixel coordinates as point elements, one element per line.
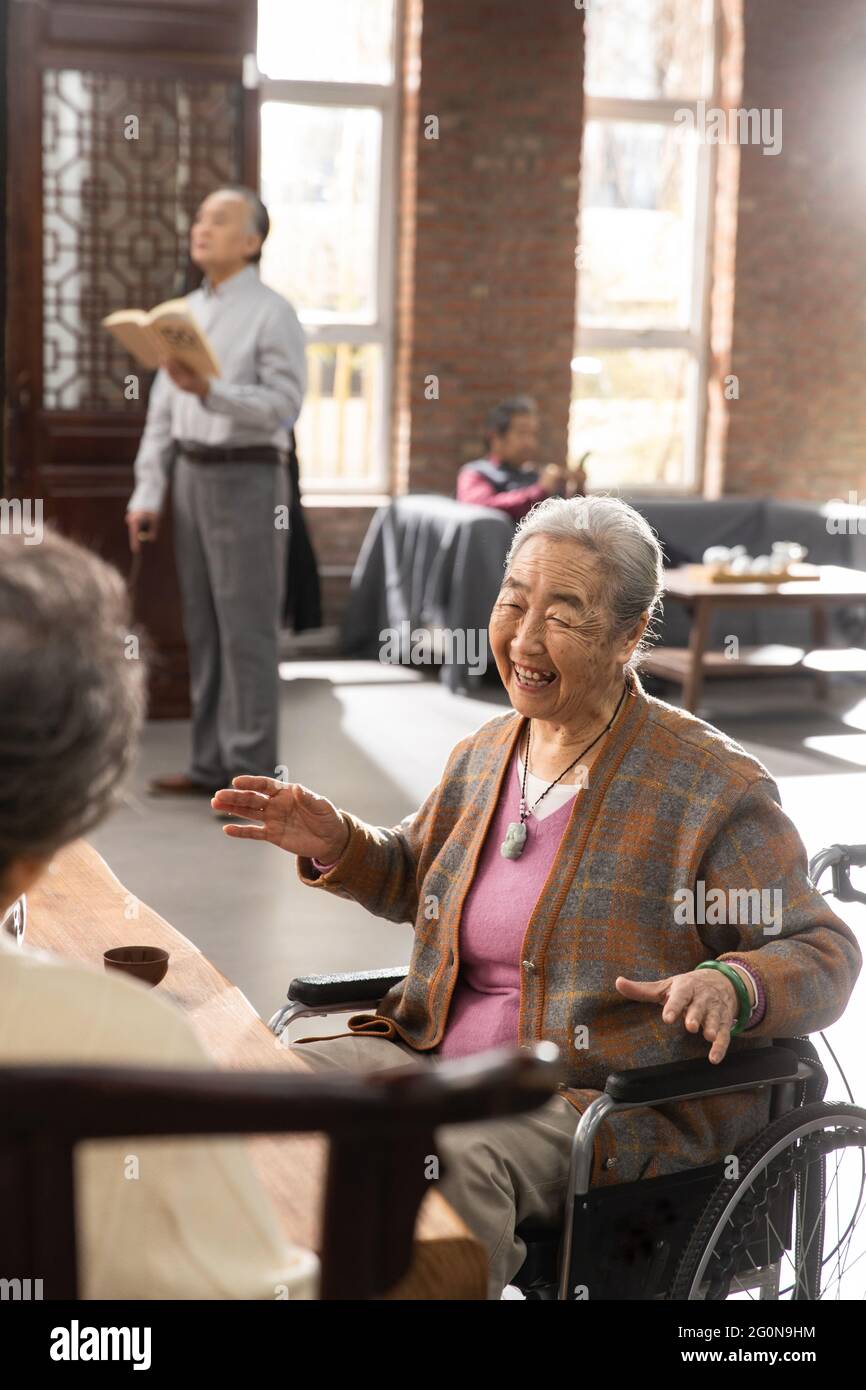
<point>291,817</point>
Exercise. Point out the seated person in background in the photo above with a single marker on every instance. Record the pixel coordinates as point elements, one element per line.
<point>506,478</point>
<point>194,1222</point>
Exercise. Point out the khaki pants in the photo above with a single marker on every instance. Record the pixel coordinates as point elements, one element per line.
<point>495,1174</point>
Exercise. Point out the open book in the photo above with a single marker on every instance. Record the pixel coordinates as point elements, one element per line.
<point>168,329</point>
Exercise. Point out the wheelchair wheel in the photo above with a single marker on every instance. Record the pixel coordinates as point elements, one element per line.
<point>789,1226</point>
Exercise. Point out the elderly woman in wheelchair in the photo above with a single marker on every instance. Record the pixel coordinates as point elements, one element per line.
<point>595,868</point>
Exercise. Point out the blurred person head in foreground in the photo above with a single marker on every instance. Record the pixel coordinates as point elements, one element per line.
<point>71,702</point>
<point>195,1224</point>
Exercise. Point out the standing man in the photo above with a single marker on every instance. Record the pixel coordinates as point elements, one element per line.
<point>506,478</point>
<point>230,493</point>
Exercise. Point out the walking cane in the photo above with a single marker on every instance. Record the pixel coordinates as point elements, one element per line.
<point>145,536</point>
<point>132,580</point>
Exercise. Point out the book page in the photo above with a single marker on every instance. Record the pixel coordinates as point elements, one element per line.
<point>181,337</point>
<point>130,329</point>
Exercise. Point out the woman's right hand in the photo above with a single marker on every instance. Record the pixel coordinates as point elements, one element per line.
<point>292,817</point>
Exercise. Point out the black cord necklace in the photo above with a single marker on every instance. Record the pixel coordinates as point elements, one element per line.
<point>515,836</point>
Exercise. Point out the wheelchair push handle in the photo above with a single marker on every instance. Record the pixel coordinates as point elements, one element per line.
<point>840,859</point>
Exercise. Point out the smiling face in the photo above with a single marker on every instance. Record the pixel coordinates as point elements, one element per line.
<point>550,632</point>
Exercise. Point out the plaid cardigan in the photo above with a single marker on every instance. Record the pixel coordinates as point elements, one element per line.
<point>670,802</point>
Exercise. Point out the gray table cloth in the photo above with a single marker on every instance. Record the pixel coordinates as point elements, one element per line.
<point>693,524</point>
<point>430,562</point>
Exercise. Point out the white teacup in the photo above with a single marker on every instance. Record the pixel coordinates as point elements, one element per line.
<point>788,553</point>
<point>716,555</point>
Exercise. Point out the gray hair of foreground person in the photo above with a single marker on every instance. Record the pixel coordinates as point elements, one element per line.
<point>71,702</point>
<point>629,556</point>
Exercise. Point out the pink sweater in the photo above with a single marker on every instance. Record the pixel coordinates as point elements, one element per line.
<point>486,1000</point>
<point>474,488</point>
<point>485,1004</point>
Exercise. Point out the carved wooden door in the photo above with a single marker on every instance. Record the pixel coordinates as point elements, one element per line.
<point>122,118</point>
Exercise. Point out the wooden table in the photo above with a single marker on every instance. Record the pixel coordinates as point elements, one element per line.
<point>702,596</point>
<point>81,910</point>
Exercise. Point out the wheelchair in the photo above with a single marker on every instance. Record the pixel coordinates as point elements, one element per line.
<point>779,1220</point>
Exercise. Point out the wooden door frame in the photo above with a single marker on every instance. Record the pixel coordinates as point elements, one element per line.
<point>105,36</point>
<point>198,39</point>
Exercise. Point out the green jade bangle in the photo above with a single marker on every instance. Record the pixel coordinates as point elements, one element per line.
<point>739,985</point>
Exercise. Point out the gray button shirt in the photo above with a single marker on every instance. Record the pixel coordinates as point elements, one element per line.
<point>260,346</point>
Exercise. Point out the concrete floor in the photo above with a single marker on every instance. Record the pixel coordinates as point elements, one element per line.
<point>374,739</point>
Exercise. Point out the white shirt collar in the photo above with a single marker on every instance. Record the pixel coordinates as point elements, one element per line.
<point>239,280</point>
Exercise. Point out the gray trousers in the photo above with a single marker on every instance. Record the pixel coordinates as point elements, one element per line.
<point>496,1173</point>
<point>231,563</point>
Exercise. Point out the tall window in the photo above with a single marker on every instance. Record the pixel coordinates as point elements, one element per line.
<point>328,116</point>
<point>640,367</point>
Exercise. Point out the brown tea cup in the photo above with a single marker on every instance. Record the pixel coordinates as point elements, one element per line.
<point>145,963</point>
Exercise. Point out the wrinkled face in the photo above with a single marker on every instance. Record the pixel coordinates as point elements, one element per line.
<point>519,443</point>
<point>220,234</point>
<point>550,632</point>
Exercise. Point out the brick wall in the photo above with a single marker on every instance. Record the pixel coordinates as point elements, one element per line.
<point>401,414</point>
<point>799,325</point>
<point>486,242</point>
<point>495,230</point>
<point>723,252</point>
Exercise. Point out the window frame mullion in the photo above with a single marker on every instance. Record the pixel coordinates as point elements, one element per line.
<point>693,338</point>
<point>379,331</point>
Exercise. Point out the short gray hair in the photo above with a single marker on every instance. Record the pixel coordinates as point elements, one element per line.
<point>627,549</point>
<point>71,703</point>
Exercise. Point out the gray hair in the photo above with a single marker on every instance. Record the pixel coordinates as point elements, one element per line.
<point>71,703</point>
<point>627,549</point>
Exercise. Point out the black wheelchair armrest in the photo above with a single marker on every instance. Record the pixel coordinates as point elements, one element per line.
<point>351,987</point>
<point>752,1066</point>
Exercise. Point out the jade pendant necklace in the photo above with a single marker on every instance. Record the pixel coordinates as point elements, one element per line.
<point>515,836</point>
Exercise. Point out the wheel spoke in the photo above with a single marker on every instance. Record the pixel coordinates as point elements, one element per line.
<point>736,1249</point>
